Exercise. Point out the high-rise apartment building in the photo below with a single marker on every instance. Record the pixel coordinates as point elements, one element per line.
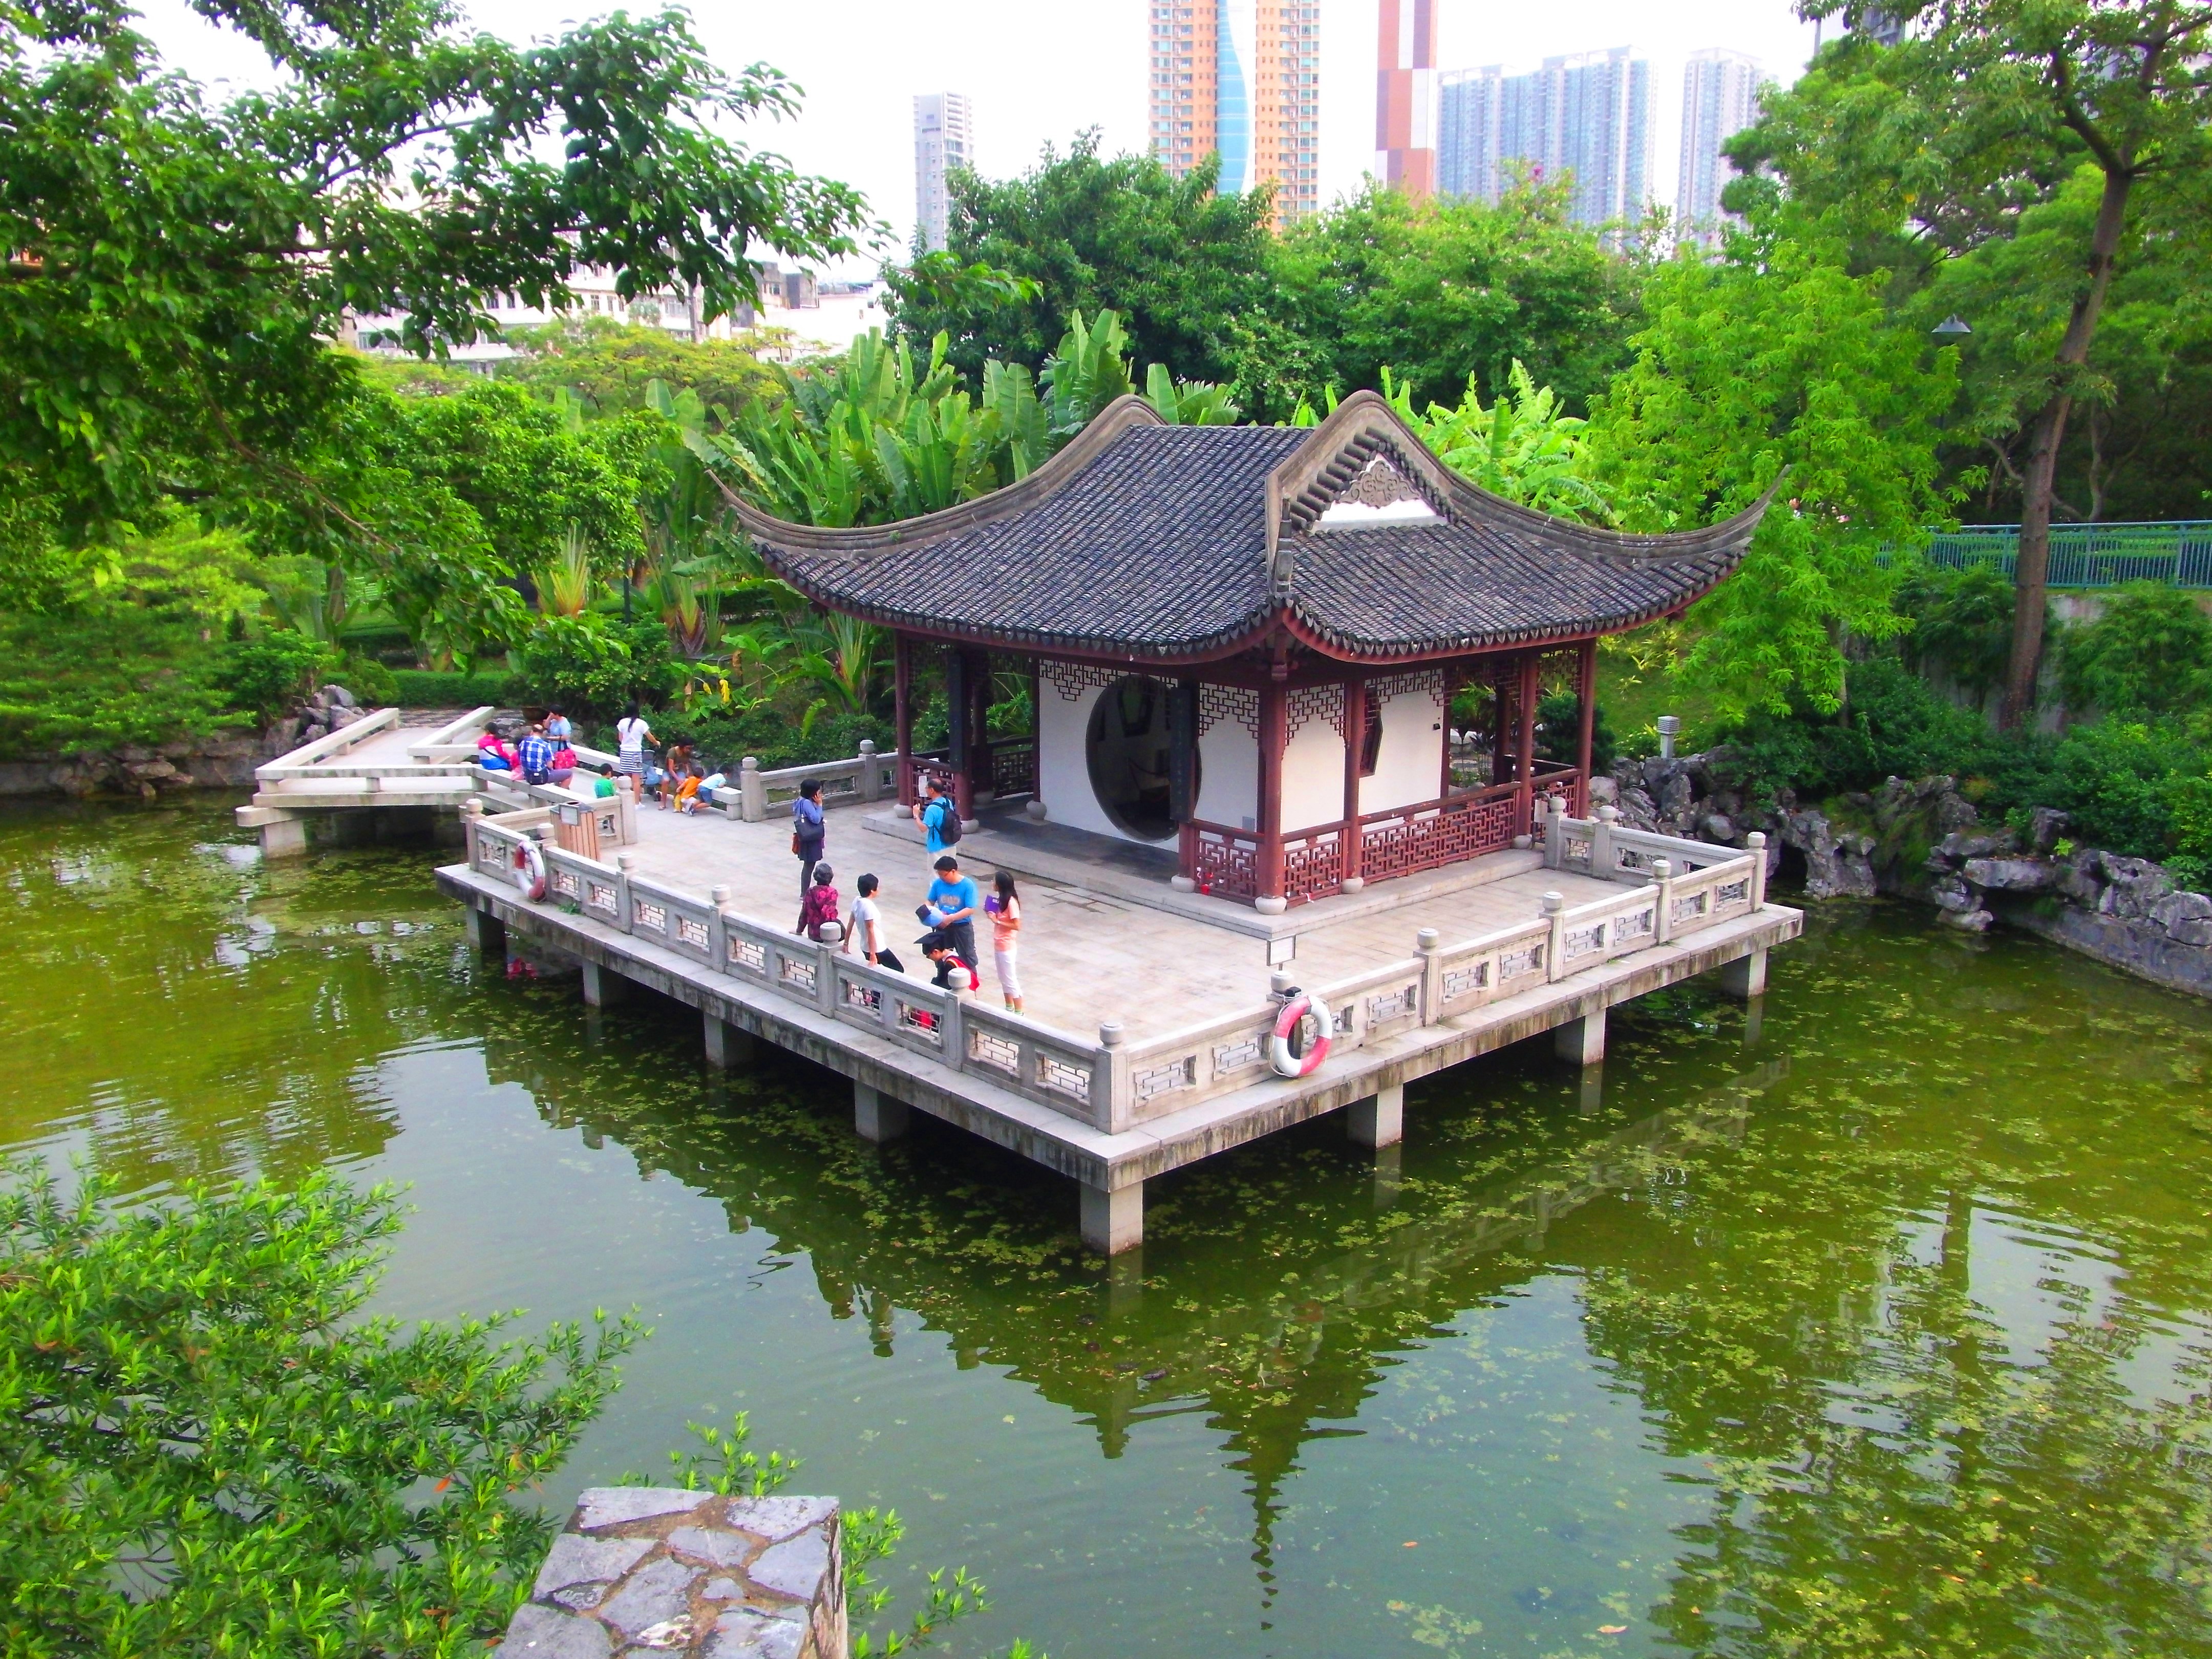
<point>1240,79</point>
<point>1405,95</point>
<point>1720,98</point>
<point>944,138</point>
<point>1587,117</point>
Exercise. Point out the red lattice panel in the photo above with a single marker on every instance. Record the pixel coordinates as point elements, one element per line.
<point>1313,867</point>
<point>1431,837</point>
<point>1226,865</point>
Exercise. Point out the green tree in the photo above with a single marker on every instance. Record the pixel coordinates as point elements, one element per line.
<point>1523,448</point>
<point>1778,358</point>
<point>2006,99</point>
<point>610,366</point>
<point>1176,262</point>
<point>210,1451</point>
<point>1440,293</point>
<point>174,267</point>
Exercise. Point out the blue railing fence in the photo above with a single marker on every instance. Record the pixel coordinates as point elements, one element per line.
<point>2177,552</point>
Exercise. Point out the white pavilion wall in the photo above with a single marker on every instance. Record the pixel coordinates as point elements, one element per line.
<point>1228,768</point>
<point>1063,771</point>
<point>1229,775</point>
<point>1409,766</point>
<point>1313,776</point>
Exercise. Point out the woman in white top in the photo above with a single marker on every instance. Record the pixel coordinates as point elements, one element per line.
<point>631,735</point>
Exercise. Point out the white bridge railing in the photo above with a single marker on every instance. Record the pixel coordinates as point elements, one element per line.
<point>1674,888</point>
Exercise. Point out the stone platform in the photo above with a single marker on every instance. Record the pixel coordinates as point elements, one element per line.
<point>1144,1045</point>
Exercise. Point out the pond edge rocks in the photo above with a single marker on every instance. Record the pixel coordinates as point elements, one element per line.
<point>1921,839</point>
<point>665,1571</point>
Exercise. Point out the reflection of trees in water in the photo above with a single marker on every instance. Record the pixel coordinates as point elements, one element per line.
<point>980,1246</point>
<point>1888,1474</point>
<point>191,1014</point>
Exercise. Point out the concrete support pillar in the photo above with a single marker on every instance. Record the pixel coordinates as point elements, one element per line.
<point>1113,1221</point>
<point>1746,977</point>
<point>1380,1119</point>
<point>603,986</point>
<point>487,932</point>
<point>727,1045</point>
<point>1581,1040</point>
<point>284,838</point>
<point>876,1117</point>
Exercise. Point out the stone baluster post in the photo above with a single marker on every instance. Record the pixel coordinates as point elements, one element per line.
<point>1670,726</point>
<point>1555,832</point>
<point>1430,943</point>
<point>752,793</point>
<point>472,815</point>
<point>1662,921</point>
<point>871,769</point>
<point>1755,844</point>
<point>625,909</point>
<point>1554,907</point>
<point>1602,864</point>
<point>1110,1103</point>
<point>718,927</point>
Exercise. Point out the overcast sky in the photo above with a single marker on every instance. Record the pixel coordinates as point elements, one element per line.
<point>1042,70</point>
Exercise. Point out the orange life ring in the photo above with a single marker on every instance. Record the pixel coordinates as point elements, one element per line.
<point>1284,1053</point>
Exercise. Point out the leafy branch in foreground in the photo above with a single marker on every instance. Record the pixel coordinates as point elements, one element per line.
<point>208,1451</point>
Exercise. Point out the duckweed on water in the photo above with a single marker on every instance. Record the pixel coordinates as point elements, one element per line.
<point>1881,1330</point>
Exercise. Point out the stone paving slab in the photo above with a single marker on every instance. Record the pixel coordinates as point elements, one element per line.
<point>644,1570</point>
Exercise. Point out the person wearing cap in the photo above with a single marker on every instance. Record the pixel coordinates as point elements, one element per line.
<point>945,956</point>
<point>954,903</point>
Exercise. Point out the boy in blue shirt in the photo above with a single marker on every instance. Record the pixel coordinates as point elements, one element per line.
<point>954,903</point>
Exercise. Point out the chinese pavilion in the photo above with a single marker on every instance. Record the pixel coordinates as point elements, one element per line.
<point>1245,641</point>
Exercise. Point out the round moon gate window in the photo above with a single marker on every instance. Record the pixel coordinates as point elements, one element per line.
<point>1127,749</point>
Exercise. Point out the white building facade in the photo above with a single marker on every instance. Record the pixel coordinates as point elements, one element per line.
<point>1587,117</point>
<point>943,140</point>
<point>1720,98</point>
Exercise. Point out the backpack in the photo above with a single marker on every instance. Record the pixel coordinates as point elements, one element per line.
<point>948,820</point>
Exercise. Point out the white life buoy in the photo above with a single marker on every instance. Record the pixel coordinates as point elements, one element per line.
<point>530,870</point>
<point>1288,1051</point>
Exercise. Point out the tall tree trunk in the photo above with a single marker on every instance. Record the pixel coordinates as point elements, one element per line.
<point>2040,476</point>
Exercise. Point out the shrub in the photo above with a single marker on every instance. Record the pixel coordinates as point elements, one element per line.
<point>93,679</point>
<point>2121,780</point>
<point>593,665</point>
<point>269,676</point>
<point>775,739</point>
<point>2149,653</point>
<point>1559,732</point>
<point>419,688</point>
<point>1961,621</point>
<point>191,1387</point>
<point>370,681</point>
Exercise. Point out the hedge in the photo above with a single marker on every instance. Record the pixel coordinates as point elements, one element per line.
<point>421,688</point>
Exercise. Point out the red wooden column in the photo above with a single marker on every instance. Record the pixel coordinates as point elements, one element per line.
<point>903,696</point>
<point>1355,744</point>
<point>1451,674</point>
<point>1586,689</point>
<point>1274,738</point>
<point>1532,686</point>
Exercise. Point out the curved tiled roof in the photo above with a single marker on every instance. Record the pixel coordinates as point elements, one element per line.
<point>1144,540</point>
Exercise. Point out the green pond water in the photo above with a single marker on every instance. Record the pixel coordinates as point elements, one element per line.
<point>1879,1327</point>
